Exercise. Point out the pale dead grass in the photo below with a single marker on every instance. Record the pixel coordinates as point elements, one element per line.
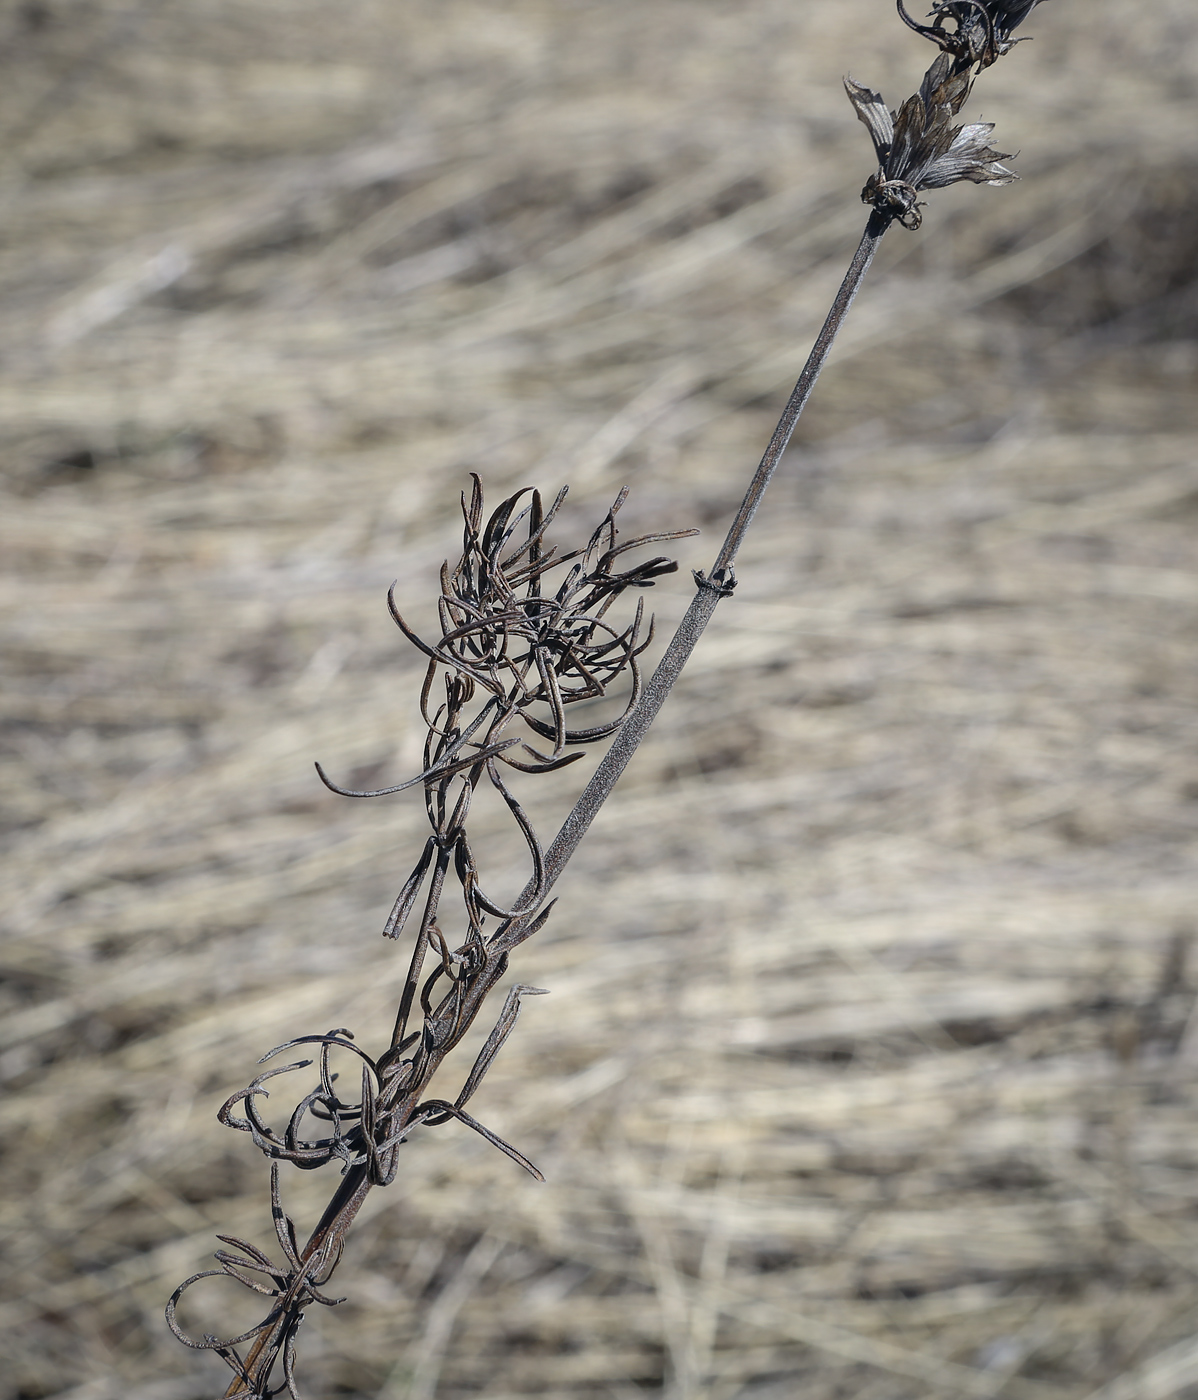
<point>867,1069</point>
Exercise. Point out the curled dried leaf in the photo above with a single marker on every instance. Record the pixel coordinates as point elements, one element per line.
<point>513,651</point>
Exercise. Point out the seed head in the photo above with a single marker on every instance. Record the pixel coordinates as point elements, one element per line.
<point>919,148</point>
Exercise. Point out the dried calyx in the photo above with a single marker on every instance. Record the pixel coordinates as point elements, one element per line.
<point>919,148</point>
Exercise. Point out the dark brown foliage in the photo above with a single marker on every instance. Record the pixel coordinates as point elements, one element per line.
<point>504,637</point>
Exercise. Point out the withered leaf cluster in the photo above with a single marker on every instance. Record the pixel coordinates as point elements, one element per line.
<point>514,654</point>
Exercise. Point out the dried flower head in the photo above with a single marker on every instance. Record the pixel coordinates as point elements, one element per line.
<point>919,148</point>
<point>982,32</point>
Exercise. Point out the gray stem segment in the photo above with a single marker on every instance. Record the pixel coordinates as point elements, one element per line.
<point>718,583</point>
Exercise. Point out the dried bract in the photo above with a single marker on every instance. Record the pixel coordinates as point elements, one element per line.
<point>919,148</point>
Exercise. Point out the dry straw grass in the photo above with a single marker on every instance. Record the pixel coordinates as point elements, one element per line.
<point>867,1069</point>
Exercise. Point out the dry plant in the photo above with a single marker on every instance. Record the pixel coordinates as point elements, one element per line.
<point>511,653</point>
<point>503,637</point>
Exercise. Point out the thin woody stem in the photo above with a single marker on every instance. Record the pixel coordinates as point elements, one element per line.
<point>338,1217</point>
<point>356,1184</point>
<point>721,579</point>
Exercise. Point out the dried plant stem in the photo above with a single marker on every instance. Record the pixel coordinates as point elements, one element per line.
<point>514,653</point>
<point>324,1245</point>
<point>720,582</point>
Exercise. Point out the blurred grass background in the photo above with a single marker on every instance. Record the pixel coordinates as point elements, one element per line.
<point>868,1065</point>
